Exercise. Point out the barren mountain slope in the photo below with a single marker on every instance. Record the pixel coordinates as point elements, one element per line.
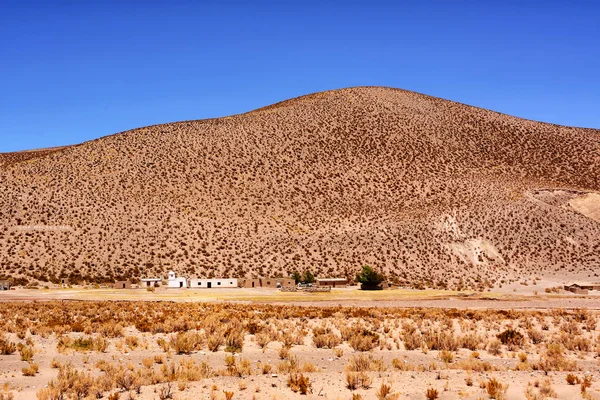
<point>429,190</point>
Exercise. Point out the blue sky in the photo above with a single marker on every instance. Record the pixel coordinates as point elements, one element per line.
<point>74,71</point>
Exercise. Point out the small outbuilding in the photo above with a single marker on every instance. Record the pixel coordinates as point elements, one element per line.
<point>582,288</point>
<point>150,282</point>
<point>122,285</point>
<point>332,282</point>
<point>4,285</point>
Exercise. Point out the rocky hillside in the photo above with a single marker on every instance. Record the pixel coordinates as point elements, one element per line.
<point>433,192</point>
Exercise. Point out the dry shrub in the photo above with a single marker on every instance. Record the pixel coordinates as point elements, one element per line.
<point>586,383</point>
<point>84,343</point>
<point>234,341</point>
<point>355,380</point>
<point>288,366</point>
<point>163,344</point>
<point>237,367</point>
<point>471,341</point>
<point>546,390</point>
<point>495,389</point>
<point>402,365</point>
<point>574,342</point>
<point>536,336</point>
<point>110,330</point>
<point>309,367</point>
<point>263,339</point>
<point>540,390</point>
<point>446,356</point>
<point>473,364</point>
<point>69,383</point>
<point>362,363</point>
<point>554,360</point>
<point>6,395</point>
<point>385,392</point>
<point>494,347</point>
<point>431,394</point>
<point>6,347</point>
<point>165,391</point>
<point>132,342</point>
<point>228,395</point>
<point>363,340</point>
<point>30,370</point>
<point>412,340</point>
<point>284,352</point>
<point>214,341</point>
<point>440,340</point>
<point>572,379</point>
<point>512,338</point>
<point>327,341</point>
<point>26,353</point>
<point>185,342</point>
<point>189,371</point>
<point>299,383</point>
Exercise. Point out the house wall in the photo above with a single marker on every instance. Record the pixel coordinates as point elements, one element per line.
<point>177,283</point>
<point>122,285</point>
<point>249,283</point>
<point>214,283</point>
<point>146,284</point>
<point>267,282</point>
<point>576,290</point>
<point>332,283</point>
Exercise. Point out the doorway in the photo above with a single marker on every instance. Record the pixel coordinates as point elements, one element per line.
<point>209,284</point>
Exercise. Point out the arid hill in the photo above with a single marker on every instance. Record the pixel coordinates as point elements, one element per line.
<point>433,192</point>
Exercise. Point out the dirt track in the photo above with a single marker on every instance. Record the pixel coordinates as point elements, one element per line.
<point>349,297</point>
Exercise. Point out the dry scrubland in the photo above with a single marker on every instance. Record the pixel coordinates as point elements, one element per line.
<point>64,350</point>
<point>417,186</point>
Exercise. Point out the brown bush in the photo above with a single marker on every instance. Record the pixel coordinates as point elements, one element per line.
<point>355,380</point>
<point>431,394</point>
<point>6,347</point>
<point>363,340</point>
<point>495,389</point>
<point>299,383</point>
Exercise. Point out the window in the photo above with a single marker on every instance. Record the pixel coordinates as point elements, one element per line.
<point>219,283</point>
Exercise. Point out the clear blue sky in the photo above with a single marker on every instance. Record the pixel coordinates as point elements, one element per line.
<point>72,71</point>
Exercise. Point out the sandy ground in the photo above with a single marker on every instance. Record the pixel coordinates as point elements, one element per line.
<point>351,297</point>
<point>329,382</point>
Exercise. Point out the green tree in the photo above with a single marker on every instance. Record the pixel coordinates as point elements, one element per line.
<point>369,277</point>
<point>296,277</point>
<point>308,277</point>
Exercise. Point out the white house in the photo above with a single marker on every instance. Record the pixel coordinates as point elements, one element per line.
<point>214,283</point>
<point>175,281</point>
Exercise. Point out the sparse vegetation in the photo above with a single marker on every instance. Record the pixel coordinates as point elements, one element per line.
<point>161,334</point>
